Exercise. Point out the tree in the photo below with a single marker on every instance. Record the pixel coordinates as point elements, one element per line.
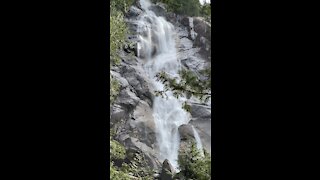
<point>206,11</point>
<point>118,31</point>
<point>192,164</point>
<point>183,7</point>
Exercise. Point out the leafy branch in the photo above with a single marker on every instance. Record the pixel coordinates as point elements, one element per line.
<point>189,85</point>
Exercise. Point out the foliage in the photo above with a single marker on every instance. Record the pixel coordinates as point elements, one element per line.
<point>135,169</point>
<point>188,7</point>
<point>118,28</point>
<point>117,151</point>
<point>186,107</point>
<point>116,174</point>
<point>138,168</point>
<point>118,31</point>
<point>205,11</point>
<point>192,164</point>
<point>190,84</point>
<point>121,5</point>
<point>185,7</point>
<point>114,89</point>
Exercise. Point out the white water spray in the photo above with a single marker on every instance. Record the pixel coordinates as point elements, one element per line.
<point>157,48</point>
<point>198,141</point>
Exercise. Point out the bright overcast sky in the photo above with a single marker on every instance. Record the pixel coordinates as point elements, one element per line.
<point>202,1</point>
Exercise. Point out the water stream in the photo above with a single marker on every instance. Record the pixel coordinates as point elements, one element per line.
<point>157,48</point>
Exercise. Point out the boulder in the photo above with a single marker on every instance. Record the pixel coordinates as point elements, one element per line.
<point>137,79</point>
<point>185,132</point>
<point>127,99</point>
<point>167,171</point>
<point>133,146</point>
<point>202,27</point>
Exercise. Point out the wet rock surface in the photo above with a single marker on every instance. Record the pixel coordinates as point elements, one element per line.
<point>201,121</point>
<point>204,130</point>
<point>186,132</point>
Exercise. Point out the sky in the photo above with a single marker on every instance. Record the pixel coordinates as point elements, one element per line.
<point>202,1</point>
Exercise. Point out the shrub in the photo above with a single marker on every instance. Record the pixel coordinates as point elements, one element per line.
<point>135,169</point>
<point>114,89</point>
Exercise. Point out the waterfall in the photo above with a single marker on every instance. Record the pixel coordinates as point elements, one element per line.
<point>198,141</point>
<point>157,48</point>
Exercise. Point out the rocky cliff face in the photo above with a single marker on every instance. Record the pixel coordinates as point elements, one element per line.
<point>132,114</point>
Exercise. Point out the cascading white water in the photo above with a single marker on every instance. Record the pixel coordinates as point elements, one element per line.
<point>198,141</point>
<point>157,48</point>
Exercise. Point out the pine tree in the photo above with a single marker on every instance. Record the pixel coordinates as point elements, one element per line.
<point>192,164</point>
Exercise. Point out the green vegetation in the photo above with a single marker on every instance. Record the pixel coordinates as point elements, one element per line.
<point>192,164</point>
<point>137,168</point>
<point>205,11</point>
<point>114,89</point>
<point>187,7</point>
<point>118,28</point>
<point>183,7</point>
<point>118,31</point>
<point>121,5</point>
<point>117,152</point>
<point>189,85</point>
